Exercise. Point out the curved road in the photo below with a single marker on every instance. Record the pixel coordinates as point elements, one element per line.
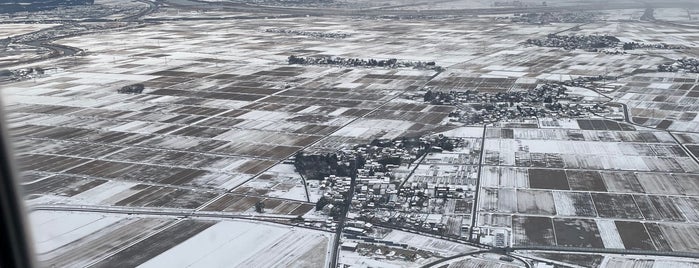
<point>62,50</point>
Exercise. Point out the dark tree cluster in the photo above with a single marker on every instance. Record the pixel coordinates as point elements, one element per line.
<point>24,73</point>
<point>555,17</point>
<point>634,45</point>
<point>613,52</point>
<point>412,144</point>
<point>322,202</point>
<point>309,33</point>
<point>586,42</point>
<point>445,143</point>
<point>131,89</point>
<point>350,62</point>
<point>337,207</point>
<point>319,166</point>
<point>438,97</point>
<point>583,80</point>
<point>260,207</point>
<point>689,65</point>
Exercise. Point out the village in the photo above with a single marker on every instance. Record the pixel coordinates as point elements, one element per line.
<point>545,100</point>
<point>424,184</point>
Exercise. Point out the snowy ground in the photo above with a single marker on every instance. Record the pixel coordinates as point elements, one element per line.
<point>222,106</point>
<point>438,246</point>
<point>7,30</point>
<point>248,244</point>
<point>52,230</point>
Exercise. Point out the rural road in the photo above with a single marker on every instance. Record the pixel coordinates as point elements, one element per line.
<point>169,212</point>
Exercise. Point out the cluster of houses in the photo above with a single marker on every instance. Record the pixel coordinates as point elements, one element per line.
<point>381,192</point>
<point>688,65</point>
<point>500,112</point>
<point>587,42</point>
<point>548,93</point>
<point>382,249</point>
<point>550,99</point>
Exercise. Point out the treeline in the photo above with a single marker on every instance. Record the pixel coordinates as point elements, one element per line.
<point>439,97</point>
<point>555,17</point>
<point>634,45</point>
<point>583,80</point>
<point>354,62</point>
<point>309,33</point>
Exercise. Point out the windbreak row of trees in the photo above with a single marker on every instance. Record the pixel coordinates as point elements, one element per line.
<point>634,45</point>
<point>555,17</point>
<point>594,42</point>
<point>313,34</point>
<point>355,62</point>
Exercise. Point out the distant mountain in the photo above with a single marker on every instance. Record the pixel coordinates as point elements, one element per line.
<point>10,6</point>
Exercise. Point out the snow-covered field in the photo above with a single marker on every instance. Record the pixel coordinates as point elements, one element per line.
<point>248,244</point>
<point>221,105</point>
<point>354,259</point>
<point>52,230</point>
<point>438,246</point>
<point>280,181</point>
<point>12,29</point>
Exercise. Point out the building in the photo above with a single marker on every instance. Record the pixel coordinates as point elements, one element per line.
<point>349,246</point>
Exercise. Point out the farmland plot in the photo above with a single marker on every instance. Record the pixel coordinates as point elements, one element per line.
<point>535,231</point>
<point>242,244</point>
<point>574,204</point>
<point>535,202</point>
